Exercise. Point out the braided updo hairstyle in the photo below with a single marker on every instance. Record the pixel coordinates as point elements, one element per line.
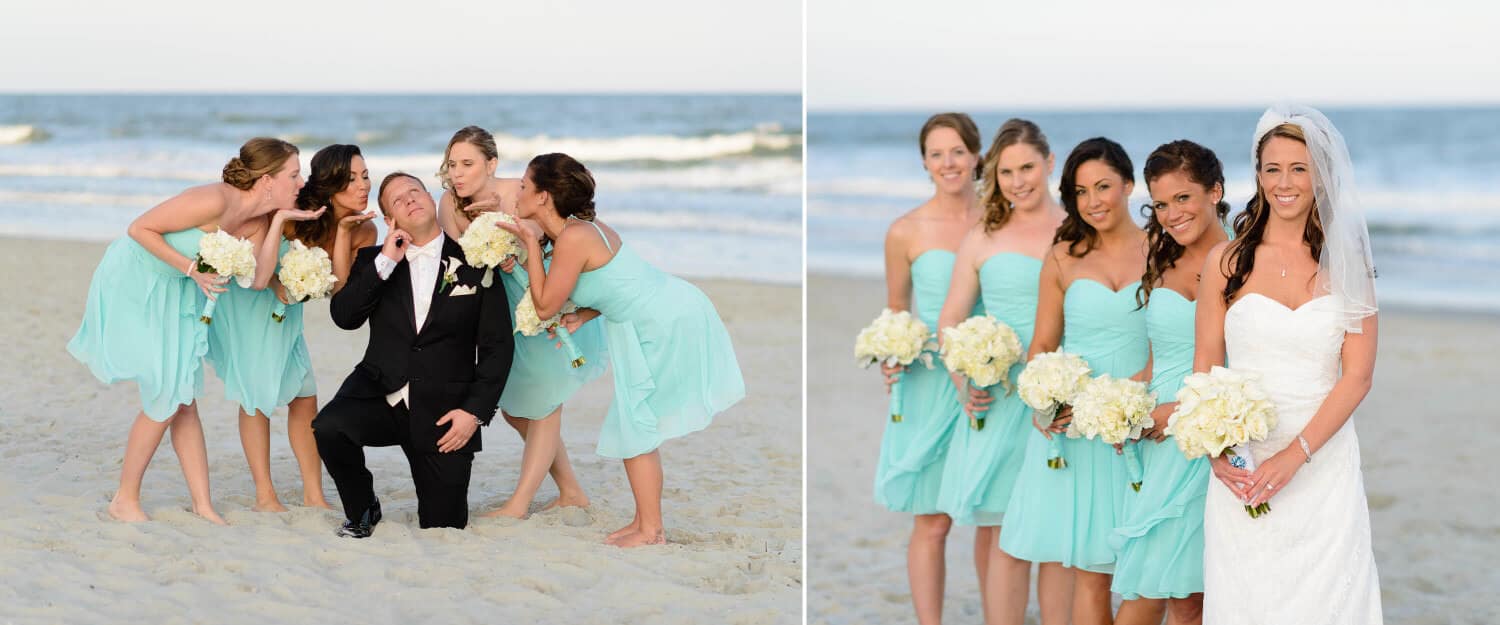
<point>261,156</point>
<point>568,182</point>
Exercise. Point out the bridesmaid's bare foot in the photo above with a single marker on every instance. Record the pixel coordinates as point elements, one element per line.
<point>505,510</point>
<point>127,511</point>
<point>568,501</point>
<point>633,527</point>
<point>209,515</point>
<point>269,505</point>
<point>641,539</point>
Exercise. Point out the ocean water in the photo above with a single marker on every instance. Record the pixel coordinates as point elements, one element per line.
<point>702,185</point>
<point>1429,180</point>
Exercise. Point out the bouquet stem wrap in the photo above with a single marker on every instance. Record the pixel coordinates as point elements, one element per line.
<point>1240,457</point>
<point>1043,419</point>
<point>896,399</point>
<point>1133,465</point>
<point>976,423</point>
<point>208,307</point>
<point>574,356</point>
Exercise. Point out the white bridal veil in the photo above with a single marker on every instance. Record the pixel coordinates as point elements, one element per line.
<point>1345,268</point>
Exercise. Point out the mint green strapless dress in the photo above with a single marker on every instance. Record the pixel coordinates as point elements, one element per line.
<point>909,475</point>
<point>264,364</point>
<point>140,323</point>
<point>674,365</point>
<point>1160,538</point>
<point>1068,515</point>
<point>541,375</point>
<point>982,465</point>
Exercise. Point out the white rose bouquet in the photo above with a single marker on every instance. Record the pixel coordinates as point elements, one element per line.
<point>1114,411</point>
<point>486,244</point>
<point>306,273</point>
<point>983,350</point>
<point>894,338</point>
<point>1219,412</point>
<point>1048,382</point>
<point>227,255</point>
<point>529,324</point>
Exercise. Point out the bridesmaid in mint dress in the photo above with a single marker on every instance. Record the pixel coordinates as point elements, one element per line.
<point>1085,306</point>
<point>674,365</point>
<point>542,376</point>
<point>141,322</point>
<point>265,364</point>
<point>1160,538</point>
<point>998,264</point>
<point>919,262</point>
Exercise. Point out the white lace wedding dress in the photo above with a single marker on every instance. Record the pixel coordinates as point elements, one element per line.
<point>1308,561</point>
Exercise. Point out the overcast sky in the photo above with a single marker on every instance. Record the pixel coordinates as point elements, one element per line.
<point>402,46</point>
<point>997,54</point>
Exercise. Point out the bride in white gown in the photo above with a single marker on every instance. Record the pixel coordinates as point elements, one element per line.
<point>1292,298</point>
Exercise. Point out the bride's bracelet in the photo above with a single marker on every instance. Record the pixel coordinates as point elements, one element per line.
<point>1306,450</point>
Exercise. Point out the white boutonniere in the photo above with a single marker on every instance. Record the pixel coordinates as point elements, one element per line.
<point>450,271</point>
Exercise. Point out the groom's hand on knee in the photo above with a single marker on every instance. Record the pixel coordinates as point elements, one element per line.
<point>462,425</point>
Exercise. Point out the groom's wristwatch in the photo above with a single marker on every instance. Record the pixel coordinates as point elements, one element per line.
<point>478,422</point>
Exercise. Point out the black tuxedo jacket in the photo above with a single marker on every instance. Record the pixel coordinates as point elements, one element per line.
<point>459,358</point>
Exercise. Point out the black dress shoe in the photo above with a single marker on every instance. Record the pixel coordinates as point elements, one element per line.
<point>366,524</point>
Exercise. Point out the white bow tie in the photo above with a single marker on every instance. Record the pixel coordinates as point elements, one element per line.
<point>415,252</point>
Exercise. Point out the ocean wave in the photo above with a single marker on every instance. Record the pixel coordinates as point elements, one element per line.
<point>78,198</point>
<point>666,148</point>
<point>774,176</point>
<point>702,222</point>
<point>73,170</point>
<point>257,118</point>
<point>22,133</point>
<point>676,221</point>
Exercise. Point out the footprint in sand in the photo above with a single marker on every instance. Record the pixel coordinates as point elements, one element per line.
<point>576,517</point>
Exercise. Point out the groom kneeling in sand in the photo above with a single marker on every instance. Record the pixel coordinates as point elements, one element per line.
<point>419,385</point>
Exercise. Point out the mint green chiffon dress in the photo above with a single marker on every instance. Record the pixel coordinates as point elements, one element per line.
<point>140,323</point>
<point>982,465</point>
<point>1160,538</point>
<point>1068,515</point>
<point>264,364</point>
<point>674,365</point>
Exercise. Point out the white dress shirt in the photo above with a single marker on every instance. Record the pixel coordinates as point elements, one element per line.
<point>425,263</point>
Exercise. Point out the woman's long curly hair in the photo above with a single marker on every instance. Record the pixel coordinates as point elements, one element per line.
<point>1074,230</point>
<point>328,175</point>
<point>1250,225</point>
<point>1202,167</point>
<point>997,209</point>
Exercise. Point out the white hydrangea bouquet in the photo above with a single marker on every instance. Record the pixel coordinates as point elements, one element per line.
<point>306,273</point>
<point>983,350</point>
<point>894,338</point>
<point>1048,382</point>
<point>529,324</point>
<point>1220,412</point>
<point>229,256</point>
<point>1114,410</point>
<point>486,244</point>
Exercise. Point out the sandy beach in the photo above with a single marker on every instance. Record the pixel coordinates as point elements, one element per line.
<point>732,499</point>
<point>1426,438</point>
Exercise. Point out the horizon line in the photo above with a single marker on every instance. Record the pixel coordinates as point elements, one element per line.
<point>917,108</point>
<point>275,92</point>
